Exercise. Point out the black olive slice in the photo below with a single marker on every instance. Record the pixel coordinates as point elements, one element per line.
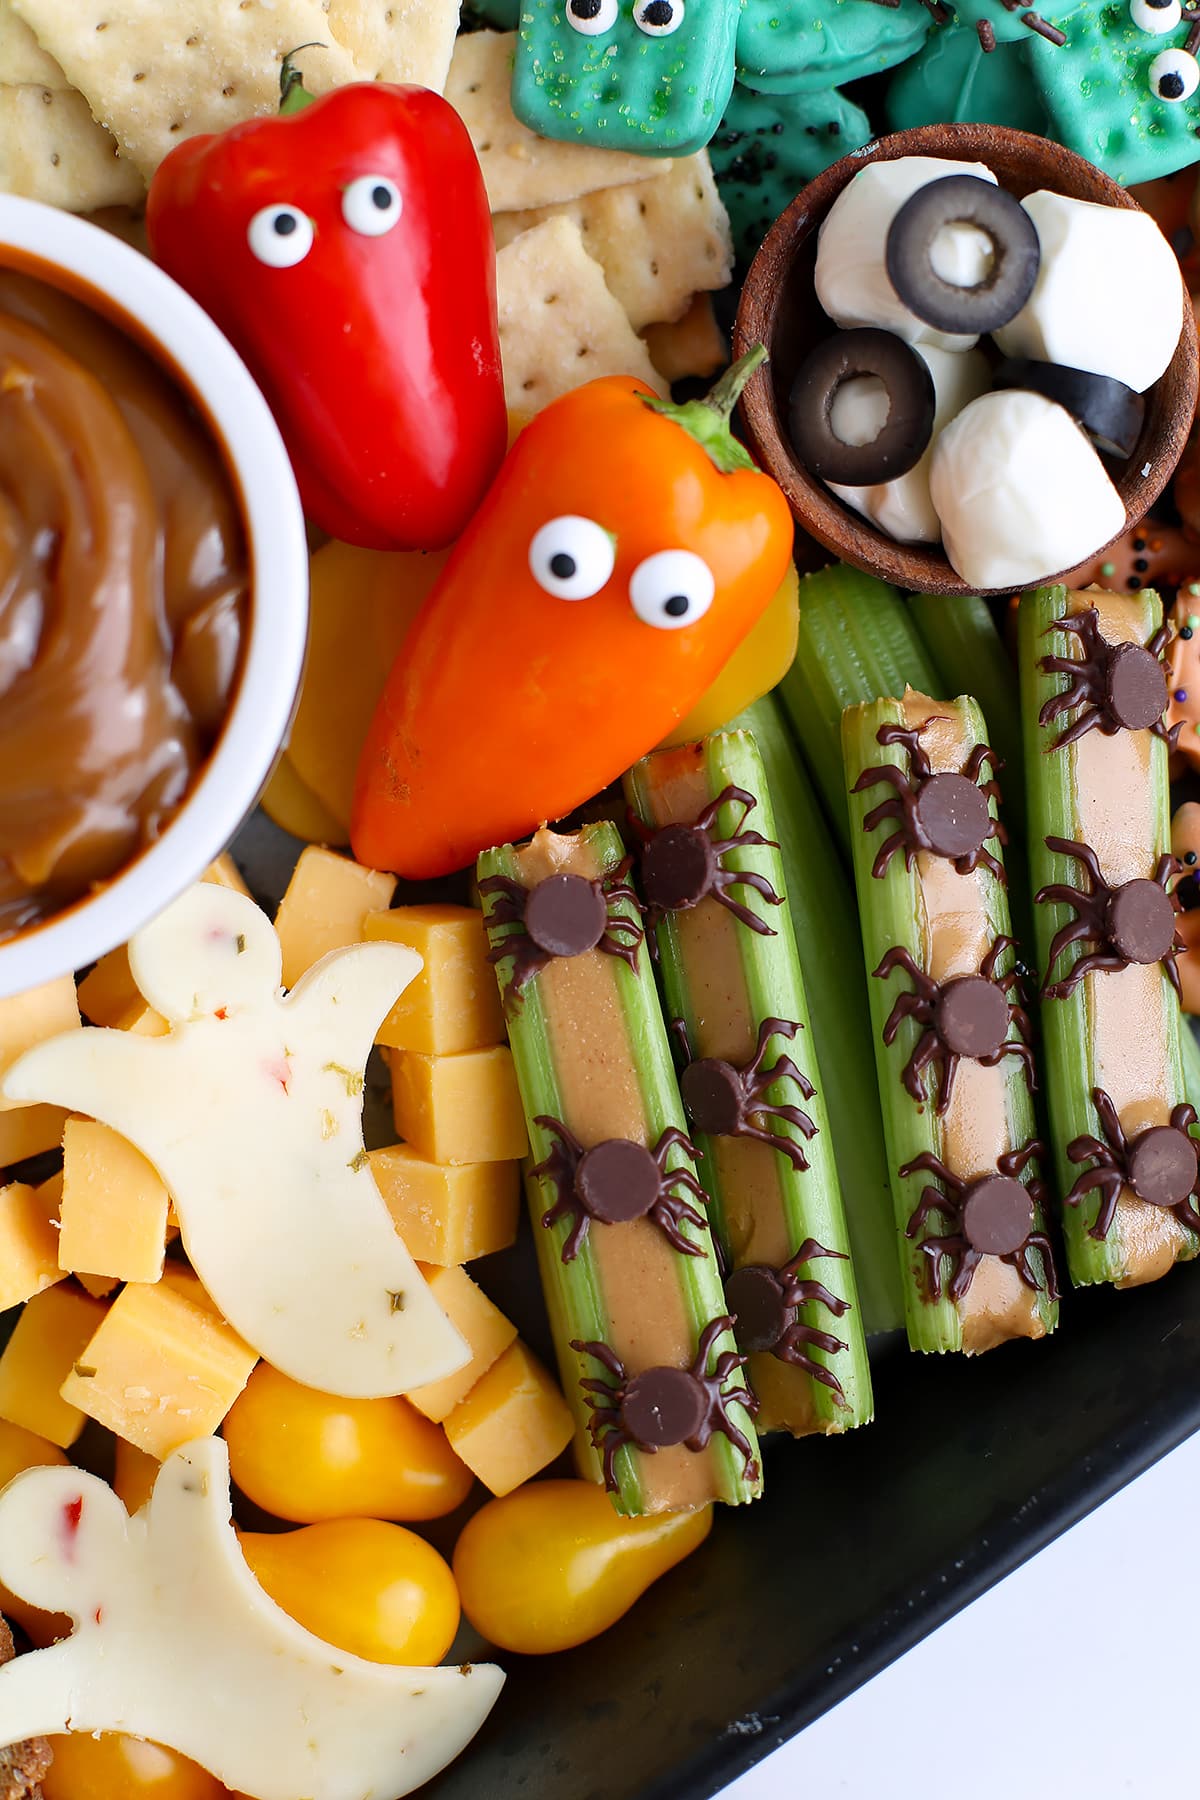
<point>905,433</point>
<point>1108,411</point>
<point>1016,253</point>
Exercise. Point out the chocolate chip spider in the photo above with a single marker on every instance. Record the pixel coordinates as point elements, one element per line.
<point>564,915</point>
<point>1133,922</point>
<point>664,1406</point>
<point>990,1215</point>
<point>723,1099</point>
<point>947,814</point>
<point>1160,1165</point>
<point>618,1180</point>
<point>967,1016</point>
<point>680,865</point>
<point>765,1303</point>
<point>1117,687</point>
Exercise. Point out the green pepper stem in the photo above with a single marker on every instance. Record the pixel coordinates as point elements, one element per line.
<point>707,420</point>
<point>293,95</point>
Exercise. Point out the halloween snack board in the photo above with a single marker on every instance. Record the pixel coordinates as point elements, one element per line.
<point>652,1016</point>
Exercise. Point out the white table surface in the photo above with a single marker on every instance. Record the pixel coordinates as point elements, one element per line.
<point>1073,1679</point>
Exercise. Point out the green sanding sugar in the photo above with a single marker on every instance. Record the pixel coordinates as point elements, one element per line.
<point>1108,568</point>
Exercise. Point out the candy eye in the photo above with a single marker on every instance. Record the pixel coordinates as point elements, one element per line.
<point>372,205</point>
<point>591,17</point>
<point>672,589</point>
<point>658,18</point>
<point>571,558</point>
<point>1174,75</point>
<point>280,236</point>
<point>1155,16</point>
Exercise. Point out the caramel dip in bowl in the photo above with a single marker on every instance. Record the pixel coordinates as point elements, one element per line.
<point>153,592</point>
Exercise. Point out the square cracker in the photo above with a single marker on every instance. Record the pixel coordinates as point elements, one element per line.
<point>157,71</point>
<point>559,324</point>
<point>23,62</point>
<point>398,40</point>
<point>658,242</point>
<point>521,169</point>
<point>52,149</point>
<point>693,345</point>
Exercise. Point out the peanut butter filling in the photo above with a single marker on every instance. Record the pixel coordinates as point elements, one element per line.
<point>597,1077</point>
<point>957,935</point>
<point>1128,1009</point>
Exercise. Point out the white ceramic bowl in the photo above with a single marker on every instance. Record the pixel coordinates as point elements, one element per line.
<point>41,240</point>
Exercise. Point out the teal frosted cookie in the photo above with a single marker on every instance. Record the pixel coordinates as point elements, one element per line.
<point>802,46</point>
<point>1121,95</point>
<point>769,146</point>
<point>952,78</point>
<point>648,76</point>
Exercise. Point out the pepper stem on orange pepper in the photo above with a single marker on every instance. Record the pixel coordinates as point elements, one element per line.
<point>707,420</point>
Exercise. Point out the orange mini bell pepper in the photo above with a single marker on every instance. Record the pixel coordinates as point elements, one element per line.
<point>621,555</point>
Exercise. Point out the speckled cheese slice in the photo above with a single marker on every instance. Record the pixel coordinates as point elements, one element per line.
<point>250,1109</point>
<point>175,1641</point>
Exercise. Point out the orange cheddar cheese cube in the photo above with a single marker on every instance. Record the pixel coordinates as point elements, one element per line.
<point>28,1241</point>
<point>30,1018</point>
<point>459,1109</point>
<point>110,996</point>
<point>48,1340</point>
<point>225,873</point>
<point>512,1423</point>
<point>324,907</point>
<point>454,1003</point>
<point>114,1206</point>
<point>448,1213</point>
<point>134,1475</point>
<point>98,1286</point>
<point>28,1131</point>
<point>487,1331</point>
<point>162,1368</point>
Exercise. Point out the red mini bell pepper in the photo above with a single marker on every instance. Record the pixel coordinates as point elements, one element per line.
<point>346,249</point>
<point>624,551</point>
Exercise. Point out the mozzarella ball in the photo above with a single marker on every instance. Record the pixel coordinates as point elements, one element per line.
<point>851,278</point>
<point>1108,297</point>
<point>904,507</point>
<point>1020,492</point>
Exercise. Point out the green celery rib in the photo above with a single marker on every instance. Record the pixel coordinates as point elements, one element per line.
<point>825,921</point>
<point>1066,1031</point>
<point>574,1294</point>
<point>857,642</point>
<point>810,1201</point>
<point>960,634</point>
<point>1189,1047</point>
<point>892,913</point>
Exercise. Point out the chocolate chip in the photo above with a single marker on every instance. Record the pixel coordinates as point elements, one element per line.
<point>997,1215</point>
<point>617,1181</point>
<point>663,1406</point>
<point>712,1094</point>
<point>972,1016</point>
<point>755,1298</point>
<point>1135,687</point>
<point>952,815</point>
<point>1140,922</point>
<point>678,866</point>
<point>566,915</point>
<point>1162,1166</point>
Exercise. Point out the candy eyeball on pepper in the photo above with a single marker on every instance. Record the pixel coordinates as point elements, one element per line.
<point>672,589</point>
<point>280,236</point>
<point>572,557</point>
<point>372,205</point>
<point>1020,491</point>
<point>1127,328</point>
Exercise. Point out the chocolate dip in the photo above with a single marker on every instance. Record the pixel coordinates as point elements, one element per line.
<point>975,1128</point>
<point>123,596</point>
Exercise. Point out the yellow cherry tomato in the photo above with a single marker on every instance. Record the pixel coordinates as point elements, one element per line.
<point>114,1767</point>
<point>553,1565</point>
<point>21,1450</point>
<point>759,663</point>
<point>308,1456</point>
<point>376,1590</point>
<point>292,805</point>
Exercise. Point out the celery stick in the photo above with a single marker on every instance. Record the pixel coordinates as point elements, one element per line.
<point>857,642</point>
<point>824,914</point>
<point>729,983</point>
<point>1084,793</point>
<point>896,908</point>
<point>606,1074</point>
<point>959,632</point>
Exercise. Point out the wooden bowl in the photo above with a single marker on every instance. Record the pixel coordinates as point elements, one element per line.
<point>779,308</point>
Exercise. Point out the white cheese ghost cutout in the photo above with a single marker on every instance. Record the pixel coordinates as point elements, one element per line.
<point>175,1641</point>
<point>251,1111</point>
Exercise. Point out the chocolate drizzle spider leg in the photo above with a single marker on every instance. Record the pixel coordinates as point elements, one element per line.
<point>946,813</point>
<point>723,1099</point>
<point>1110,687</point>
<point>682,864</point>
<point>765,1304</point>
<point>564,915</point>
<point>616,1181</point>
<point>992,1214</point>
<point>967,1016</point>
<point>1159,1165</point>
<point>1130,922</point>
